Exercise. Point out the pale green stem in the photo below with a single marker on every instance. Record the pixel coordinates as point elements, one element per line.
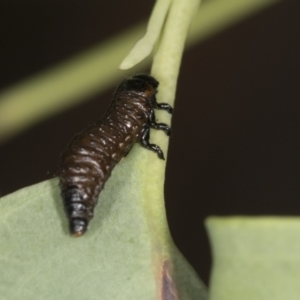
<point>165,68</point>
<point>167,60</point>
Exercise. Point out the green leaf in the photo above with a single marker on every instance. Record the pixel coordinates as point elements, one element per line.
<point>127,253</point>
<point>255,258</point>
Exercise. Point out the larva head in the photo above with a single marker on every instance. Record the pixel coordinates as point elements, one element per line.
<point>147,78</point>
<point>142,84</point>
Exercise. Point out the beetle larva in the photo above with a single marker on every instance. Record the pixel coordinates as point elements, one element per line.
<point>92,154</point>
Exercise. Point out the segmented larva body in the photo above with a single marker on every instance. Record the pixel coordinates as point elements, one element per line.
<point>91,156</point>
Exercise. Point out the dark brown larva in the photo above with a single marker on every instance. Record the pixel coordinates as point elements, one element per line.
<point>91,156</point>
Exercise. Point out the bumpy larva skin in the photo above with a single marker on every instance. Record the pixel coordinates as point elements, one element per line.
<point>91,156</point>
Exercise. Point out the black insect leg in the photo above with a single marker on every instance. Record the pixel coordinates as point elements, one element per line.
<point>165,106</point>
<point>145,143</point>
<point>159,126</point>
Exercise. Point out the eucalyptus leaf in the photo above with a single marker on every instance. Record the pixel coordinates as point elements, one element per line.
<point>124,254</point>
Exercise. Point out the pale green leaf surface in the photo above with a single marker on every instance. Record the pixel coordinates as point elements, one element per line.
<point>120,257</point>
<point>255,258</point>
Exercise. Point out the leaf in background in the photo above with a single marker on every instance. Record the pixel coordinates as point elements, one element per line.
<point>255,258</point>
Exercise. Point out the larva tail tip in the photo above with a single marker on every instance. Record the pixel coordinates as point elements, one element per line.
<point>78,227</point>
